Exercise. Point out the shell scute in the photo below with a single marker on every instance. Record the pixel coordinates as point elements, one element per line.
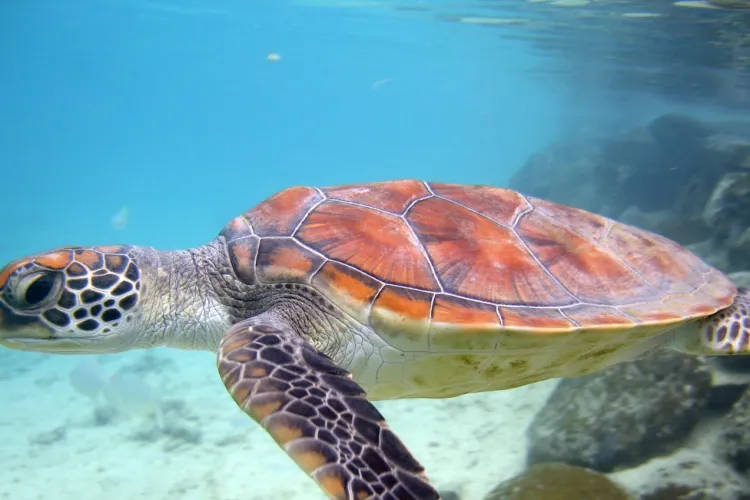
<point>457,311</point>
<point>280,214</point>
<point>475,257</point>
<point>586,316</point>
<point>588,271</point>
<point>242,254</point>
<point>660,263</point>
<point>463,325</point>
<point>394,197</point>
<point>594,228</point>
<point>237,228</point>
<point>453,264</point>
<point>501,205</point>
<point>285,260</point>
<point>379,243</point>
<point>352,290</point>
<point>403,316</point>
<point>537,318</point>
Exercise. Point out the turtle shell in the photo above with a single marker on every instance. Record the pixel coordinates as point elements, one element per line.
<point>433,266</point>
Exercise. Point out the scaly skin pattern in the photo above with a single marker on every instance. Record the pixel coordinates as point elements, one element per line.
<point>312,409</point>
<point>114,298</point>
<point>317,297</point>
<point>455,289</point>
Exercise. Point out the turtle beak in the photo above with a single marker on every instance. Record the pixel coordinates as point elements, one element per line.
<point>29,333</point>
<point>16,329</point>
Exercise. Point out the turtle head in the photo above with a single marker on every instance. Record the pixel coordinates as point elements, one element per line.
<point>71,300</point>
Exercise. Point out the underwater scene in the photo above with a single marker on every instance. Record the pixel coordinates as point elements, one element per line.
<point>374,249</point>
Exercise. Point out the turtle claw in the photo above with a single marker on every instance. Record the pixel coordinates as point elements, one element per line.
<point>317,414</point>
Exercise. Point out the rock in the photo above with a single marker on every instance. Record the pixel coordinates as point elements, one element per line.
<point>562,173</point>
<point>733,442</point>
<point>730,379</point>
<point>725,395</point>
<point>557,481</point>
<point>727,213</point>
<point>679,132</point>
<point>678,177</point>
<point>659,169</point>
<point>732,149</point>
<point>738,130</point>
<point>686,475</point>
<point>630,174</point>
<point>683,230</point>
<point>731,4</point>
<point>50,437</point>
<point>727,209</point>
<point>623,415</point>
<point>732,364</point>
<point>449,495</point>
<point>715,255</point>
<point>741,279</point>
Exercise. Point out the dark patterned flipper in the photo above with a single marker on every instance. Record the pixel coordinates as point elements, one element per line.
<point>727,331</point>
<point>318,414</point>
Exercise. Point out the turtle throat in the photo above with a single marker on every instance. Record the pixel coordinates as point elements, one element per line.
<point>180,303</point>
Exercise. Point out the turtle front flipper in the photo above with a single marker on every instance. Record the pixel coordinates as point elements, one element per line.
<point>317,414</point>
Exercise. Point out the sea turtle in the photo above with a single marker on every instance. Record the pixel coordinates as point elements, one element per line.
<point>321,300</point>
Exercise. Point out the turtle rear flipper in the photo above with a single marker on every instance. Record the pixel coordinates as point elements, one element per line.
<point>317,414</point>
<point>726,332</point>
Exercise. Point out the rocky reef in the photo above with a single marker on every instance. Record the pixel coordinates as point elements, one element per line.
<point>558,481</point>
<point>622,416</point>
<point>668,426</point>
<point>677,176</point>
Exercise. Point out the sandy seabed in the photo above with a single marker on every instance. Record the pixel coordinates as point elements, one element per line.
<point>56,443</point>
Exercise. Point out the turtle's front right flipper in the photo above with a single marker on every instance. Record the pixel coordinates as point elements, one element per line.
<point>318,414</point>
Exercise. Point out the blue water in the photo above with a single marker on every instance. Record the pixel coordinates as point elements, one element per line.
<point>174,111</point>
<point>171,114</point>
<point>177,113</point>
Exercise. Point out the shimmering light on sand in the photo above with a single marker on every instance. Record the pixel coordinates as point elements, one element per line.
<point>273,57</point>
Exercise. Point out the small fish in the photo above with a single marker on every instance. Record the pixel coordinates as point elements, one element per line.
<point>379,83</point>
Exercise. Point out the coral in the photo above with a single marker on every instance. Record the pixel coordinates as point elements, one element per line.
<point>556,481</point>
<point>623,415</point>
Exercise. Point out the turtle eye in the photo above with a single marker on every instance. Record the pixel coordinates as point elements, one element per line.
<point>34,289</point>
